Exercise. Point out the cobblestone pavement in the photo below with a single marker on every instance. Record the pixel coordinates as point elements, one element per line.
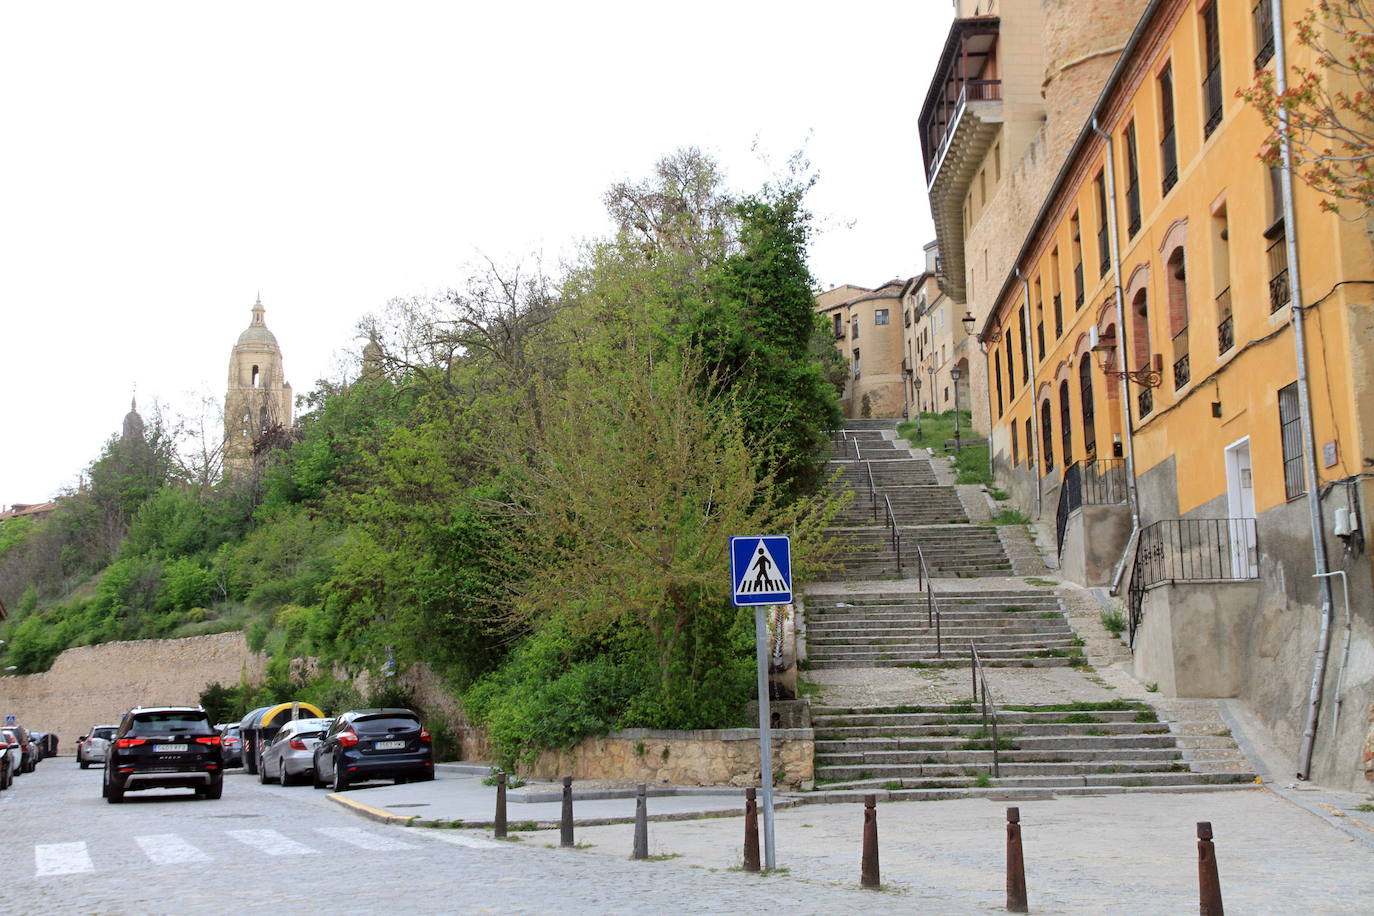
<point>1122,854</point>
<point>289,850</point>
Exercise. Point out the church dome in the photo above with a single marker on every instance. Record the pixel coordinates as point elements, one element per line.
<point>257,336</point>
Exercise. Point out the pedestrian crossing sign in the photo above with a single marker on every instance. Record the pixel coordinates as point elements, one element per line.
<point>761,569</point>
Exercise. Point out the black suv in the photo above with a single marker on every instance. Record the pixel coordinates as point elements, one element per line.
<point>368,744</point>
<point>164,747</point>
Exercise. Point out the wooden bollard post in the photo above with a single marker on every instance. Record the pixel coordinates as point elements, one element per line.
<point>868,868</point>
<point>499,827</point>
<point>1016,865</point>
<point>751,830</point>
<point>1208,883</point>
<point>641,823</point>
<point>565,826</point>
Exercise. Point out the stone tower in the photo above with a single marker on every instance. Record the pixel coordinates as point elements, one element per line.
<point>133,424</point>
<point>258,398</point>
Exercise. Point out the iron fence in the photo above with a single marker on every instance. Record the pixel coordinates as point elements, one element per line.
<point>1278,272</point>
<point>1099,482</point>
<point>1191,550</point>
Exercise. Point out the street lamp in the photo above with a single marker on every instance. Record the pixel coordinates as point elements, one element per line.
<point>916,380</point>
<point>968,322</point>
<point>954,374</point>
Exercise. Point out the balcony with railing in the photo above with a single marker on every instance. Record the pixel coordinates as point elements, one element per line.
<point>1278,268</point>
<point>1145,401</point>
<point>1183,372</point>
<point>1133,209</point>
<point>1058,316</point>
<point>1104,253</point>
<point>1168,152</point>
<point>1211,97</point>
<point>1191,550</point>
<point>1226,328</point>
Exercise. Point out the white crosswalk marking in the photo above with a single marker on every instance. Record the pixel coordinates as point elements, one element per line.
<point>364,839</point>
<point>169,849</point>
<point>471,842</point>
<point>271,842</point>
<point>61,859</point>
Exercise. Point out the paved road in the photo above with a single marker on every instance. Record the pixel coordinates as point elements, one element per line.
<point>289,850</point>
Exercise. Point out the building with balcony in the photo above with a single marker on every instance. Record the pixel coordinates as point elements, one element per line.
<point>1148,391</point>
<point>1011,87</point>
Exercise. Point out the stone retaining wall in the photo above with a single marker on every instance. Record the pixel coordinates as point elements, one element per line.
<point>706,757</point>
<point>92,685</point>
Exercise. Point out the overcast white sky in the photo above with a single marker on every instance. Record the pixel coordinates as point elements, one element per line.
<point>163,162</point>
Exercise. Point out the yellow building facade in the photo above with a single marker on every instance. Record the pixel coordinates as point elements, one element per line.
<point>1142,364</point>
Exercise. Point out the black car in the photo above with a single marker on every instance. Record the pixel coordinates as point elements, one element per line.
<point>158,747</point>
<point>368,744</point>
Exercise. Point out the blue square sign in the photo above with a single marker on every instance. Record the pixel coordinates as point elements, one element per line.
<point>761,569</point>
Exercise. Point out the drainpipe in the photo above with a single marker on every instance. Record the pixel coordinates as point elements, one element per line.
<point>1132,498</point>
<point>1314,507</point>
<point>987,389</point>
<point>1035,413</point>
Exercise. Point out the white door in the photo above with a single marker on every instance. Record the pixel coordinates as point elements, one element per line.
<point>1240,504</point>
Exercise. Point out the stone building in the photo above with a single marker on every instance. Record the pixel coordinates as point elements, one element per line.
<point>258,399</point>
<point>867,332</point>
<point>1198,417</point>
<point>1011,88</point>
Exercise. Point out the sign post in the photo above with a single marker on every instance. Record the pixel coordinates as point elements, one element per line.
<point>761,576</point>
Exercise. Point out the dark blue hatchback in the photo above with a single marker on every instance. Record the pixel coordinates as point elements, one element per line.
<point>369,744</point>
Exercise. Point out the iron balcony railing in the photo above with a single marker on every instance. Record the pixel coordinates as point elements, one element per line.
<point>1098,482</point>
<point>1146,401</point>
<point>1226,329</point>
<point>1040,338</point>
<point>1183,372</point>
<point>943,134</point>
<point>1191,550</point>
<point>1078,286</point>
<point>1104,254</point>
<point>1133,209</point>
<point>1058,316</point>
<point>1169,154</point>
<point>1278,271</point>
<point>1211,90</point>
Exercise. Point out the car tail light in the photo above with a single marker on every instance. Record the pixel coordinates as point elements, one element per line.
<point>425,736</point>
<point>297,744</point>
<point>213,739</point>
<point>130,742</point>
<point>348,738</point>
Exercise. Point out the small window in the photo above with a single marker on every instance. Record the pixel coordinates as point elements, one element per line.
<point>856,362</point>
<point>1290,434</point>
<point>854,328</point>
<point>880,316</point>
<point>255,377</point>
<point>1263,16</point>
<point>1211,66</point>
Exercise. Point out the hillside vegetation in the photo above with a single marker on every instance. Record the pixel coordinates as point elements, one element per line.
<point>531,491</point>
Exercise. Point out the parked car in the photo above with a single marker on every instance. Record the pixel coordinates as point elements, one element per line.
<point>94,747</point>
<point>368,744</point>
<point>291,754</point>
<point>10,755</point>
<point>28,749</point>
<point>232,741</point>
<point>164,747</point>
<point>262,724</point>
<point>14,753</point>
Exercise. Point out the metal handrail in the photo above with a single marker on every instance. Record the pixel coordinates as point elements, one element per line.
<point>857,456</point>
<point>872,490</point>
<point>989,708</point>
<point>896,532</point>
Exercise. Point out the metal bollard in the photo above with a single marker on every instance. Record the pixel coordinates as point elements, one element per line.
<point>1016,865</point>
<point>1208,883</point>
<point>499,827</point>
<point>641,823</point>
<point>868,868</point>
<point>751,830</point>
<point>565,827</point>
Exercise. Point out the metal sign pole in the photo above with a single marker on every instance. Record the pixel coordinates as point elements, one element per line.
<point>765,739</point>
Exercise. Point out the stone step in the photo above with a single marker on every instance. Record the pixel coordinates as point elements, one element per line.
<point>1065,745</point>
<point>877,769</point>
<point>953,658</point>
<point>972,725</point>
<point>1032,787</point>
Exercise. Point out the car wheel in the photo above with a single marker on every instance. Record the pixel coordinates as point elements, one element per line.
<point>340,778</point>
<point>216,787</point>
<point>114,794</point>
<point>284,777</point>
<point>262,775</point>
<point>315,776</point>
<point>426,776</point>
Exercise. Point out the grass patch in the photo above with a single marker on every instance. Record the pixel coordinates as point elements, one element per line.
<point>807,688</point>
<point>971,465</point>
<point>1146,715</point>
<point>512,781</point>
<point>935,428</point>
<point>1152,687</point>
<point>892,785</point>
<point>1114,622</point>
<point>1009,517</point>
<point>1078,718</point>
<point>1048,615</point>
<point>664,857</point>
<point>1042,583</point>
<point>1000,496</point>
<point>1367,807</point>
<point>1107,706</point>
<point>982,780</point>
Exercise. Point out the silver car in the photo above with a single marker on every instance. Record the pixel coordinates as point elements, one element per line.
<point>291,755</point>
<point>95,747</point>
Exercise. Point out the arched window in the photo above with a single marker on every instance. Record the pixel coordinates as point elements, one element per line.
<point>1085,397</point>
<point>1065,422</point>
<point>1140,332</point>
<point>1176,276</point>
<point>997,373</point>
<point>1030,452</point>
<point>1047,435</point>
<point>255,377</point>
<point>1113,362</point>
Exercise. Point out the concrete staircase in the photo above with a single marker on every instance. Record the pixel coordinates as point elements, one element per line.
<point>885,630</point>
<point>951,551</point>
<point>946,751</point>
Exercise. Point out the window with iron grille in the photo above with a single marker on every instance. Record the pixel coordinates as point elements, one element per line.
<point>1065,422</point>
<point>1290,434</point>
<point>997,373</point>
<point>854,328</point>
<point>856,362</point>
<point>1168,151</point>
<point>1263,17</point>
<point>1011,366</point>
<point>1211,83</point>
<point>1047,435</point>
<point>1025,357</point>
<point>1085,396</point>
<point>1132,183</point>
<point>1030,452</point>
<point>1104,255</point>
<point>1015,448</point>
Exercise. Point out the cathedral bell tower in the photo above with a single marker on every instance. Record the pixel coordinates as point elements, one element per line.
<point>258,398</point>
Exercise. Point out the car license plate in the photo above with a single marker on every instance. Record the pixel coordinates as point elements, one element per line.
<point>170,748</point>
<point>389,745</point>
